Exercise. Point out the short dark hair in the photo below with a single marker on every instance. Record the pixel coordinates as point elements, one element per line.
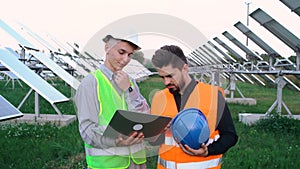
<point>169,55</point>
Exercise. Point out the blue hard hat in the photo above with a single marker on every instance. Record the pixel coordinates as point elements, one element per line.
<point>190,127</point>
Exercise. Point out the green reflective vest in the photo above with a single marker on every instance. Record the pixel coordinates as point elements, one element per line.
<point>113,157</point>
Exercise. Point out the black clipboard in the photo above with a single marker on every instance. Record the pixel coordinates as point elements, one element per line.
<point>125,122</point>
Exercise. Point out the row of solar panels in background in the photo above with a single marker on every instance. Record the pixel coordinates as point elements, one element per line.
<point>83,63</point>
<point>205,55</point>
<point>22,61</point>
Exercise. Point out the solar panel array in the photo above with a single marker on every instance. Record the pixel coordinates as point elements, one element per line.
<point>251,67</point>
<point>66,61</point>
<point>38,60</point>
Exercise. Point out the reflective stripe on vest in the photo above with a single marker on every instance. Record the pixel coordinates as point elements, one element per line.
<point>211,140</point>
<point>106,152</point>
<point>171,142</point>
<point>191,165</point>
<point>113,150</point>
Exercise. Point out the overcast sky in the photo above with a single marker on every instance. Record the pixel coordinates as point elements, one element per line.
<point>79,20</point>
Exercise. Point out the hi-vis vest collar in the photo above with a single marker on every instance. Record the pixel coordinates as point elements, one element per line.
<point>203,97</point>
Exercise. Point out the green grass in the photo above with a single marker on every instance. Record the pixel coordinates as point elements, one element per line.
<point>270,143</point>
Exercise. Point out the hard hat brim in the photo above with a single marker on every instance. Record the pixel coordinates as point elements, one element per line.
<point>108,37</point>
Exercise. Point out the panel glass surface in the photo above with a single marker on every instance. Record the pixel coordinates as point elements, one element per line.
<point>32,79</point>
<point>7,110</point>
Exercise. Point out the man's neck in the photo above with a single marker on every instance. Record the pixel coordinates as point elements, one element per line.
<point>187,82</point>
<point>109,66</point>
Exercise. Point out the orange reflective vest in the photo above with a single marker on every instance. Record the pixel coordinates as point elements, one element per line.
<point>205,98</point>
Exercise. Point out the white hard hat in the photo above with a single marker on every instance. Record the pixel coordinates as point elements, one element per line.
<point>132,39</point>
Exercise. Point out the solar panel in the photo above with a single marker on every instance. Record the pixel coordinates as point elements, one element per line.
<point>248,52</point>
<point>79,66</point>
<point>59,71</point>
<point>11,77</point>
<point>220,59</point>
<point>136,70</point>
<point>91,60</point>
<point>7,110</point>
<point>40,39</point>
<point>271,52</point>
<point>30,77</point>
<point>256,39</point>
<point>279,31</point>
<point>51,48</point>
<point>23,42</point>
<point>241,46</point>
<point>203,57</point>
<point>240,58</point>
<point>212,57</point>
<point>229,49</point>
<point>294,5</point>
<point>193,61</point>
<point>227,57</point>
<point>276,29</point>
<point>196,57</point>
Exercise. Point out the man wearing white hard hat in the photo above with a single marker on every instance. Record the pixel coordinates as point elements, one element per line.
<point>99,95</point>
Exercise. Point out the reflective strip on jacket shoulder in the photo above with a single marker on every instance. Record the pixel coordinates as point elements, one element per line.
<point>190,165</point>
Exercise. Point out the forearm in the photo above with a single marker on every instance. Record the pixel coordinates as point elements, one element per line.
<point>92,134</point>
<point>89,129</point>
<point>228,136</point>
<point>226,141</point>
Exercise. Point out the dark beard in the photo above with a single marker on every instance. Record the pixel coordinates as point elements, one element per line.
<point>173,91</point>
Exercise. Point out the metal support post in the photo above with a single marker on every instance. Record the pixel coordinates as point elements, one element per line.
<point>233,87</point>
<point>36,104</point>
<point>298,60</point>
<point>215,78</point>
<point>279,102</point>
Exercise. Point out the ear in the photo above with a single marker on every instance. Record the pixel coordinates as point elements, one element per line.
<point>106,47</point>
<point>185,68</point>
